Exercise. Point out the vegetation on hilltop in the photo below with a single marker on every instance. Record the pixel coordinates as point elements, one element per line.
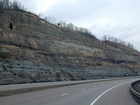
<point>118,41</point>
<point>6,4</point>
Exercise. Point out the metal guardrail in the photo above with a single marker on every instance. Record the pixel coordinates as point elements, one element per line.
<point>134,91</point>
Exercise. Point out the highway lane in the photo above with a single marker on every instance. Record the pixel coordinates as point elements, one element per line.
<point>30,85</point>
<point>117,96</point>
<point>115,92</point>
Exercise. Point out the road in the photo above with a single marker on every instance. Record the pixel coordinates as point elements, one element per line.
<point>115,92</point>
<point>31,85</point>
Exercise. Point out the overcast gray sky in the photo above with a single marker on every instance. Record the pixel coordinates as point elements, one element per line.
<point>118,18</point>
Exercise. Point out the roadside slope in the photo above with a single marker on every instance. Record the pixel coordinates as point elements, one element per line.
<point>37,51</point>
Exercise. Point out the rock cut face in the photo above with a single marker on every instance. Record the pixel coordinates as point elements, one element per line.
<point>33,50</point>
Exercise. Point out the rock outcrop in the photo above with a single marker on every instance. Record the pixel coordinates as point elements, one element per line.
<point>34,50</point>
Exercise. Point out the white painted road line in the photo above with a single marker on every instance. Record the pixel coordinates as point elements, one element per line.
<point>64,94</point>
<point>94,86</point>
<point>106,92</point>
<point>83,89</point>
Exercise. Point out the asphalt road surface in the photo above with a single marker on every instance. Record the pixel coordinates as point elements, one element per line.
<point>115,92</point>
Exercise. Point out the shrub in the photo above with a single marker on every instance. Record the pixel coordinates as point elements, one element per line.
<point>4,55</point>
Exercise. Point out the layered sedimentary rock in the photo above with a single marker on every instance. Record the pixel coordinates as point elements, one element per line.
<point>34,50</point>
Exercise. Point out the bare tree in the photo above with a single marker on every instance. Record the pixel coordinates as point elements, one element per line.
<point>108,38</point>
<point>104,37</point>
<point>64,24</point>
<point>70,26</point>
<point>50,19</point>
<point>111,39</point>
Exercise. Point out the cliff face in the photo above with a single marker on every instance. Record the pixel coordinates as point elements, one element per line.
<point>35,50</point>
